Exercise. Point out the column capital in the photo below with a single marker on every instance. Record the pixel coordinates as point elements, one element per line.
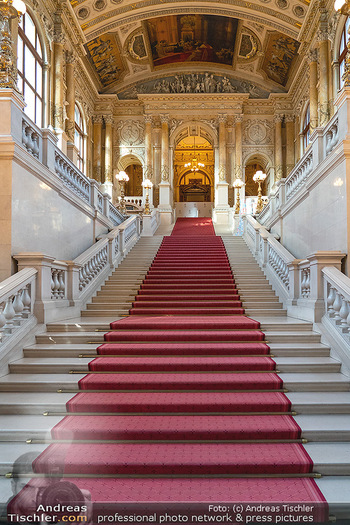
<point>148,119</point>
<point>278,117</point>
<point>97,119</point>
<point>222,118</point>
<point>108,119</point>
<point>164,119</point>
<point>312,55</point>
<point>321,36</point>
<point>58,37</point>
<point>238,119</point>
<point>289,118</point>
<point>71,58</point>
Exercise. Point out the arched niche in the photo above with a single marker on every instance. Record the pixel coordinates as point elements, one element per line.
<point>132,165</point>
<point>254,163</point>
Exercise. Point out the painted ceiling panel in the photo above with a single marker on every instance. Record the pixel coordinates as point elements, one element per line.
<point>192,38</point>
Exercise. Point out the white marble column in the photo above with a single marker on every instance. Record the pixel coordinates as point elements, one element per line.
<point>313,90</point>
<point>148,170</point>
<point>108,182</point>
<point>58,90</point>
<point>323,100</point>
<point>239,156</point>
<point>290,154</point>
<point>165,194</point>
<point>97,153</point>
<point>221,201</point>
<point>278,148</point>
<point>72,150</point>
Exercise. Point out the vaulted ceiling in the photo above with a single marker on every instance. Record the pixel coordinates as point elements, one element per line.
<point>170,46</point>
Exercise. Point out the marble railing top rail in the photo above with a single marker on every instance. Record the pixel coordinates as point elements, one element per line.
<point>264,234</point>
<point>337,279</point>
<point>12,284</point>
<point>42,145</point>
<point>309,288</point>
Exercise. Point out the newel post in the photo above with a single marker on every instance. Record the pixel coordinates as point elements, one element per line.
<point>43,264</point>
<point>318,261</point>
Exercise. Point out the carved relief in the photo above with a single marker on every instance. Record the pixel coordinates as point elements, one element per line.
<point>257,132</point>
<point>131,132</point>
<point>194,83</point>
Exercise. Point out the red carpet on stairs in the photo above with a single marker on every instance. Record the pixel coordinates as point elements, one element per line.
<point>184,389</point>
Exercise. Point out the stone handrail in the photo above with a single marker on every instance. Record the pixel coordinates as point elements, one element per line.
<point>298,283</point>
<point>17,297</point>
<point>299,174</point>
<point>62,285</point>
<point>322,142</point>
<point>72,177</point>
<point>42,145</point>
<point>337,300</point>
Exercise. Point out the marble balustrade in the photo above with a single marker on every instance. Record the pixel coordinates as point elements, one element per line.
<point>298,283</point>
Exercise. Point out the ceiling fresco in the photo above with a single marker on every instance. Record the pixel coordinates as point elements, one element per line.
<point>192,38</point>
<point>192,53</point>
<point>280,51</point>
<point>103,53</point>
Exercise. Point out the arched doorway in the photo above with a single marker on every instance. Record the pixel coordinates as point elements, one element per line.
<point>251,187</point>
<point>194,176</point>
<point>133,189</point>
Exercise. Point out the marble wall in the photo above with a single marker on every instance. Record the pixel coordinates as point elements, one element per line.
<point>318,222</point>
<point>43,221</point>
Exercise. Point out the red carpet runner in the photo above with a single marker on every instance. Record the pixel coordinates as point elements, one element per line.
<point>184,389</point>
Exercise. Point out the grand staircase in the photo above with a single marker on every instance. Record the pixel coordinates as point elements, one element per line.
<point>41,383</point>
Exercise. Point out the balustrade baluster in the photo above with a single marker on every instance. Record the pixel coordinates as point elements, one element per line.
<point>26,300</point>
<point>56,284</point>
<point>62,286</point>
<point>343,313</point>
<point>18,308</point>
<point>2,321</point>
<point>337,306</point>
<point>9,314</point>
<point>330,301</point>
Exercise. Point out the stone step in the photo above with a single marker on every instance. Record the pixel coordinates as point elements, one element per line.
<point>294,382</point>
<point>109,305</point>
<point>266,324</point>
<point>33,402</point>
<point>97,337</point>
<point>327,435</point>
<point>106,313</point>
<point>313,403</point>
<point>66,365</point>
<point>242,288</point>
<point>9,452</point>
<point>320,402</point>
<point>107,297</point>
<point>254,312</point>
<point>75,350</point>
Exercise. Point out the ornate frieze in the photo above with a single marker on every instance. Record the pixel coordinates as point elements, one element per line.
<point>194,83</point>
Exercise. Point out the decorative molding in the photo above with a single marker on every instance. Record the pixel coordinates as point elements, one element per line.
<point>271,20</point>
